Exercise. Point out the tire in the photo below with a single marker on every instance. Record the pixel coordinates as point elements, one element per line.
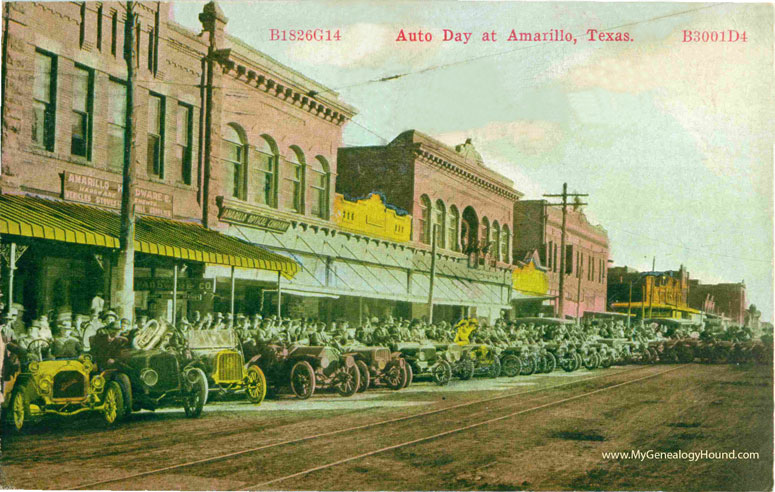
<point>511,365</point>
<point>19,411</point>
<point>395,376</point>
<point>579,361</point>
<point>255,387</point>
<point>410,373</point>
<point>348,380</point>
<point>113,404</point>
<point>591,362</point>
<point>495,368</point>
<point>606,361</point>
<point>365,376</point>
<point>302,380</point>
<point>195,400</point>
<point>466,368</point>
<point>568,364</point>
<point>442,373</point>
<point>528,366</point>
<point>550,363</point>
<point>540,364</point>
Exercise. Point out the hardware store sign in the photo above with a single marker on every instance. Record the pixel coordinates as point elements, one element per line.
<point>106,193</point>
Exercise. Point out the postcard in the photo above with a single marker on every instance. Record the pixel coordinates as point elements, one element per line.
<point>404,245</point>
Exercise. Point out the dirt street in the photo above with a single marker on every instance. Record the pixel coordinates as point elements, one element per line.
<point>538,432</point>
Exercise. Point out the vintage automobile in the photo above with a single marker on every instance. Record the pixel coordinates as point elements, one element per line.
<point>154,371</point>
<point>511,361</point>
<point>461,363</point>
<point>380,367</point>
<point>425,361</point>
<point>564,352</point>
<point>486,360</point>
<point>59,387</point>
<point>219,354</point>
<point>306,368</point>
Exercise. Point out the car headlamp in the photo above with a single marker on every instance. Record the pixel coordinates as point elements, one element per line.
<point>149,377</point>
<point>34,366</point>
<point>44,385</point>
<point>97,383</point>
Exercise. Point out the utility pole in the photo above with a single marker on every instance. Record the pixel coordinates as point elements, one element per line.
<point>435,229</point>
<point>564,205</point>
<point>578,292</point>
<point>126,255</point>
<point>651,289</point>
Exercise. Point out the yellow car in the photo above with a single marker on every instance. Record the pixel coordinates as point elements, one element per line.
<point>60,387</point>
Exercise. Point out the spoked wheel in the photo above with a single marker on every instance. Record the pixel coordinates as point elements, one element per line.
<point>540,364</point>
<point>592,361</point>
<point>113,404</point>
<point>568,363</point>
<point>196,397</point>
<point>495,368</point>
<point>550,362</point>
<point>302,380</point>
<point>442,373</point>
<point>348,380</point>
<point>466,368</point>
<point>255,387</point>
<point>511,365</point>
<point>20,410</point>
<point>365,376</point>
<point>410,374</point>
<point>528,366</point>
<point>394,377</point>
<point>606,360</point>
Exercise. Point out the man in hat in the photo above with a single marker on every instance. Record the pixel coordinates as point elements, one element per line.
<point>67,345</point>
<point>108,344</point>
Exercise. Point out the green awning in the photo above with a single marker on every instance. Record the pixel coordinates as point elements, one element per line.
<point>83,224</point>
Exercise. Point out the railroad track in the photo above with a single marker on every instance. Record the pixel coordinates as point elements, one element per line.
<point>394,424</point>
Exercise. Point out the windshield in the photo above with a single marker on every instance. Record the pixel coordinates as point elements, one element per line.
<point>211,339</point>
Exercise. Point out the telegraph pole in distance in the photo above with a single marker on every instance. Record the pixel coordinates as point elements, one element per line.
<point>435,231</point>
<point>126,255</point>
<point>564,205</point>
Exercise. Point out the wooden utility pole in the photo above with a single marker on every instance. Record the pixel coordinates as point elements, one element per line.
<point>435,229</point>
<point>651,289</point>
<point>564,205</point>
<point>126,255</point>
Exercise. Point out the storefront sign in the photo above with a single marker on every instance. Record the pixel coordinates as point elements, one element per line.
<point>106,193</point>
<point>254,220</point>
<point>191,285</point>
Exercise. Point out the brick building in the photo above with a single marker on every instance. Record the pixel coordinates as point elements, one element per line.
<point>654,294</point>
<point>728,300</point>
<point>539,228</point>
<point>451,190</point>
<point>236,167</point>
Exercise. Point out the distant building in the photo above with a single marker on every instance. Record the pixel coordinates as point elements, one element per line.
<point>654,294</point>
<point>728,300</point>
<point>538,227</point>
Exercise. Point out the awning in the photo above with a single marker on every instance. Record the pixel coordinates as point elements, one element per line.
<point>82,224</point>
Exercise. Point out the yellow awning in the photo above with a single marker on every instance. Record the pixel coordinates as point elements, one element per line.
<point>82,224</point>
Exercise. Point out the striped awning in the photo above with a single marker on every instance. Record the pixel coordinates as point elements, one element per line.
<point>82,224</point>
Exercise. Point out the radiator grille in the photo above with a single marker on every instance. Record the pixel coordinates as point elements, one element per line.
<point>229,366</point>
<point>69,384</point>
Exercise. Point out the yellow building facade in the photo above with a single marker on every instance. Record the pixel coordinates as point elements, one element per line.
<point>371,217</point>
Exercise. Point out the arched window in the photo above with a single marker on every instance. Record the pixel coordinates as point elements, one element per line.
<point>485,236</point>
<point>452,229</point>
<point>440,222</point>
<point>318,187</point>
<point>506,244</point>
<point>496,240</point>
<point>293,180</point>
<point>265,171</point>
<point>235,159</point>
<point>424,220</point>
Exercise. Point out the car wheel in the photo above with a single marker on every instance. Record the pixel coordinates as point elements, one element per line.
<point>466,368</point>
<point>410,374</point>
<point>395,376</point>
<point>550,362</point>
<point>20,410</point>
<point>495,368</point>
<point>442,373</point>
<point>528,366</point>
<point>348,380</point>
<point>302,380</point>
<point>196,397</point>
<point>365,376</point>
<point>511,365</point>
<point>256,385</point>
<point>113,410</point>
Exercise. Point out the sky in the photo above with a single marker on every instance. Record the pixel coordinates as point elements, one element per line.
<point>672,140</point>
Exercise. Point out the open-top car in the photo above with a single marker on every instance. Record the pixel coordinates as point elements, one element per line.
<point>219,354</point>
<point>380,367</point>
<point>306,368</point>
<point>486,361</point>
<point>426,361</point>
<point>59,387</point>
